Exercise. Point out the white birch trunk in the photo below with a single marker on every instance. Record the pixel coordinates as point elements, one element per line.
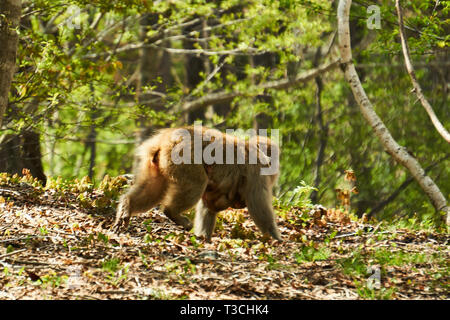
<point>398,152</point>
<point>412,74</point>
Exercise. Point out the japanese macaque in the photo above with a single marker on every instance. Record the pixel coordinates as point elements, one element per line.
<point>179,168</point>
<point>227,189</point>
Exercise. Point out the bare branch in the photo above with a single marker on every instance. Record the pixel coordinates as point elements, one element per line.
<point>399,153</point>
<point>438,64</point>
<point>244,52</point>
<point>222,96</point>
<point>380,205</point>
<point>164,34</point>
<point>427,106</point>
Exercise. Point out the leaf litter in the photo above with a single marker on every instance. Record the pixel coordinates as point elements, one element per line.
<point>55,243</point>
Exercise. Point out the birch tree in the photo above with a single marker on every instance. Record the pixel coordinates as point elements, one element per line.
<point>412,74</point>
<point>398,152</point>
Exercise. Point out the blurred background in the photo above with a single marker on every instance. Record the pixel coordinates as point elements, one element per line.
<point>95,78</point>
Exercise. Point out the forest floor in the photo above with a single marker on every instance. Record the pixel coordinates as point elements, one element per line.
<point>55,243</point>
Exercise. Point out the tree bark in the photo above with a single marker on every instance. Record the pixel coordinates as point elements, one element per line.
<point>323,134</point>
<point>323,131</point>
<point>194,65</point>
<point>412,74</point>
<point>398,152</point>
<point>23,150</point>
<point>10,11</point>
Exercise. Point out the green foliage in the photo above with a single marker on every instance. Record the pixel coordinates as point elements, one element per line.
<point>374,294</point>
<point>85,80</point>
<point>52,280</point>
<point>111,265</point>
<point>312,254</point>
<point>298,197</point>
<point>116,272</point>
<point>354,265</point>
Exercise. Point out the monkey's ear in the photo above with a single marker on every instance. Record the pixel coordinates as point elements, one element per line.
<point>153,164</point>
<point>155,158</point>
<point>153,169</point>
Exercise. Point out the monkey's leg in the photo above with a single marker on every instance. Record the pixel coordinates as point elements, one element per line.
<point>265,221</point>
<point>141,197</point>
<point>259,204</point>
<point>182,196</point>
<point>205,221</point>
<point>237,181</point>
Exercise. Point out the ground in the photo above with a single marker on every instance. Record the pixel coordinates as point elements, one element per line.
<point>55,243</point>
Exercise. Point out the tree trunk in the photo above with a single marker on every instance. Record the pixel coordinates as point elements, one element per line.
<point>412,74</point>
<point>10,11</point>
<point>323,131</point>
<point>23,149</point>
<point>323,134</point>
<point>194,65</point>
<point>91,143</point>
<point>398,152</point>
<point>153,64</point>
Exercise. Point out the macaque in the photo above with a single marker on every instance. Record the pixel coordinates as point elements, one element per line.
<point>176,171</point>
<point>226,189</point>
<point>225,193</point>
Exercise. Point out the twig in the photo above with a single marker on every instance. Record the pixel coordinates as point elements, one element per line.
<point>23,238</point>
<point>10,191</point>
<point>12,253</point>
<point>35,263</point>
<point>223,96</point>
<point>426,105</point>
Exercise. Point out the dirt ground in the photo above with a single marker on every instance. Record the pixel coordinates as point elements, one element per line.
<point>53,248</point>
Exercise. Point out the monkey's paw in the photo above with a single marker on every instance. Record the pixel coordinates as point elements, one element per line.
<point>120,224</point>
<point>122,216</point>
<point>186,223</point>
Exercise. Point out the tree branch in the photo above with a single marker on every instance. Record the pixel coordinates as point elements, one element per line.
<point>399,153</point>
<point>380,205</point>
<point>427,106</point>
<point>222,96</point>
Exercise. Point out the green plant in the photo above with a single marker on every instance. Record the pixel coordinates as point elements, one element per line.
<point>116,272</point>
<point>52,279</point>
<point>311,254</point>
<point>354,265</point>
<point>103,237</point>
<point>299,196</point>
<point>111,265</point>
<point>372,293</point>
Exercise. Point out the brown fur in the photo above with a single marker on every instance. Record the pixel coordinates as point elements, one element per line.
<point>227,192</point>
<point>213,187</point>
